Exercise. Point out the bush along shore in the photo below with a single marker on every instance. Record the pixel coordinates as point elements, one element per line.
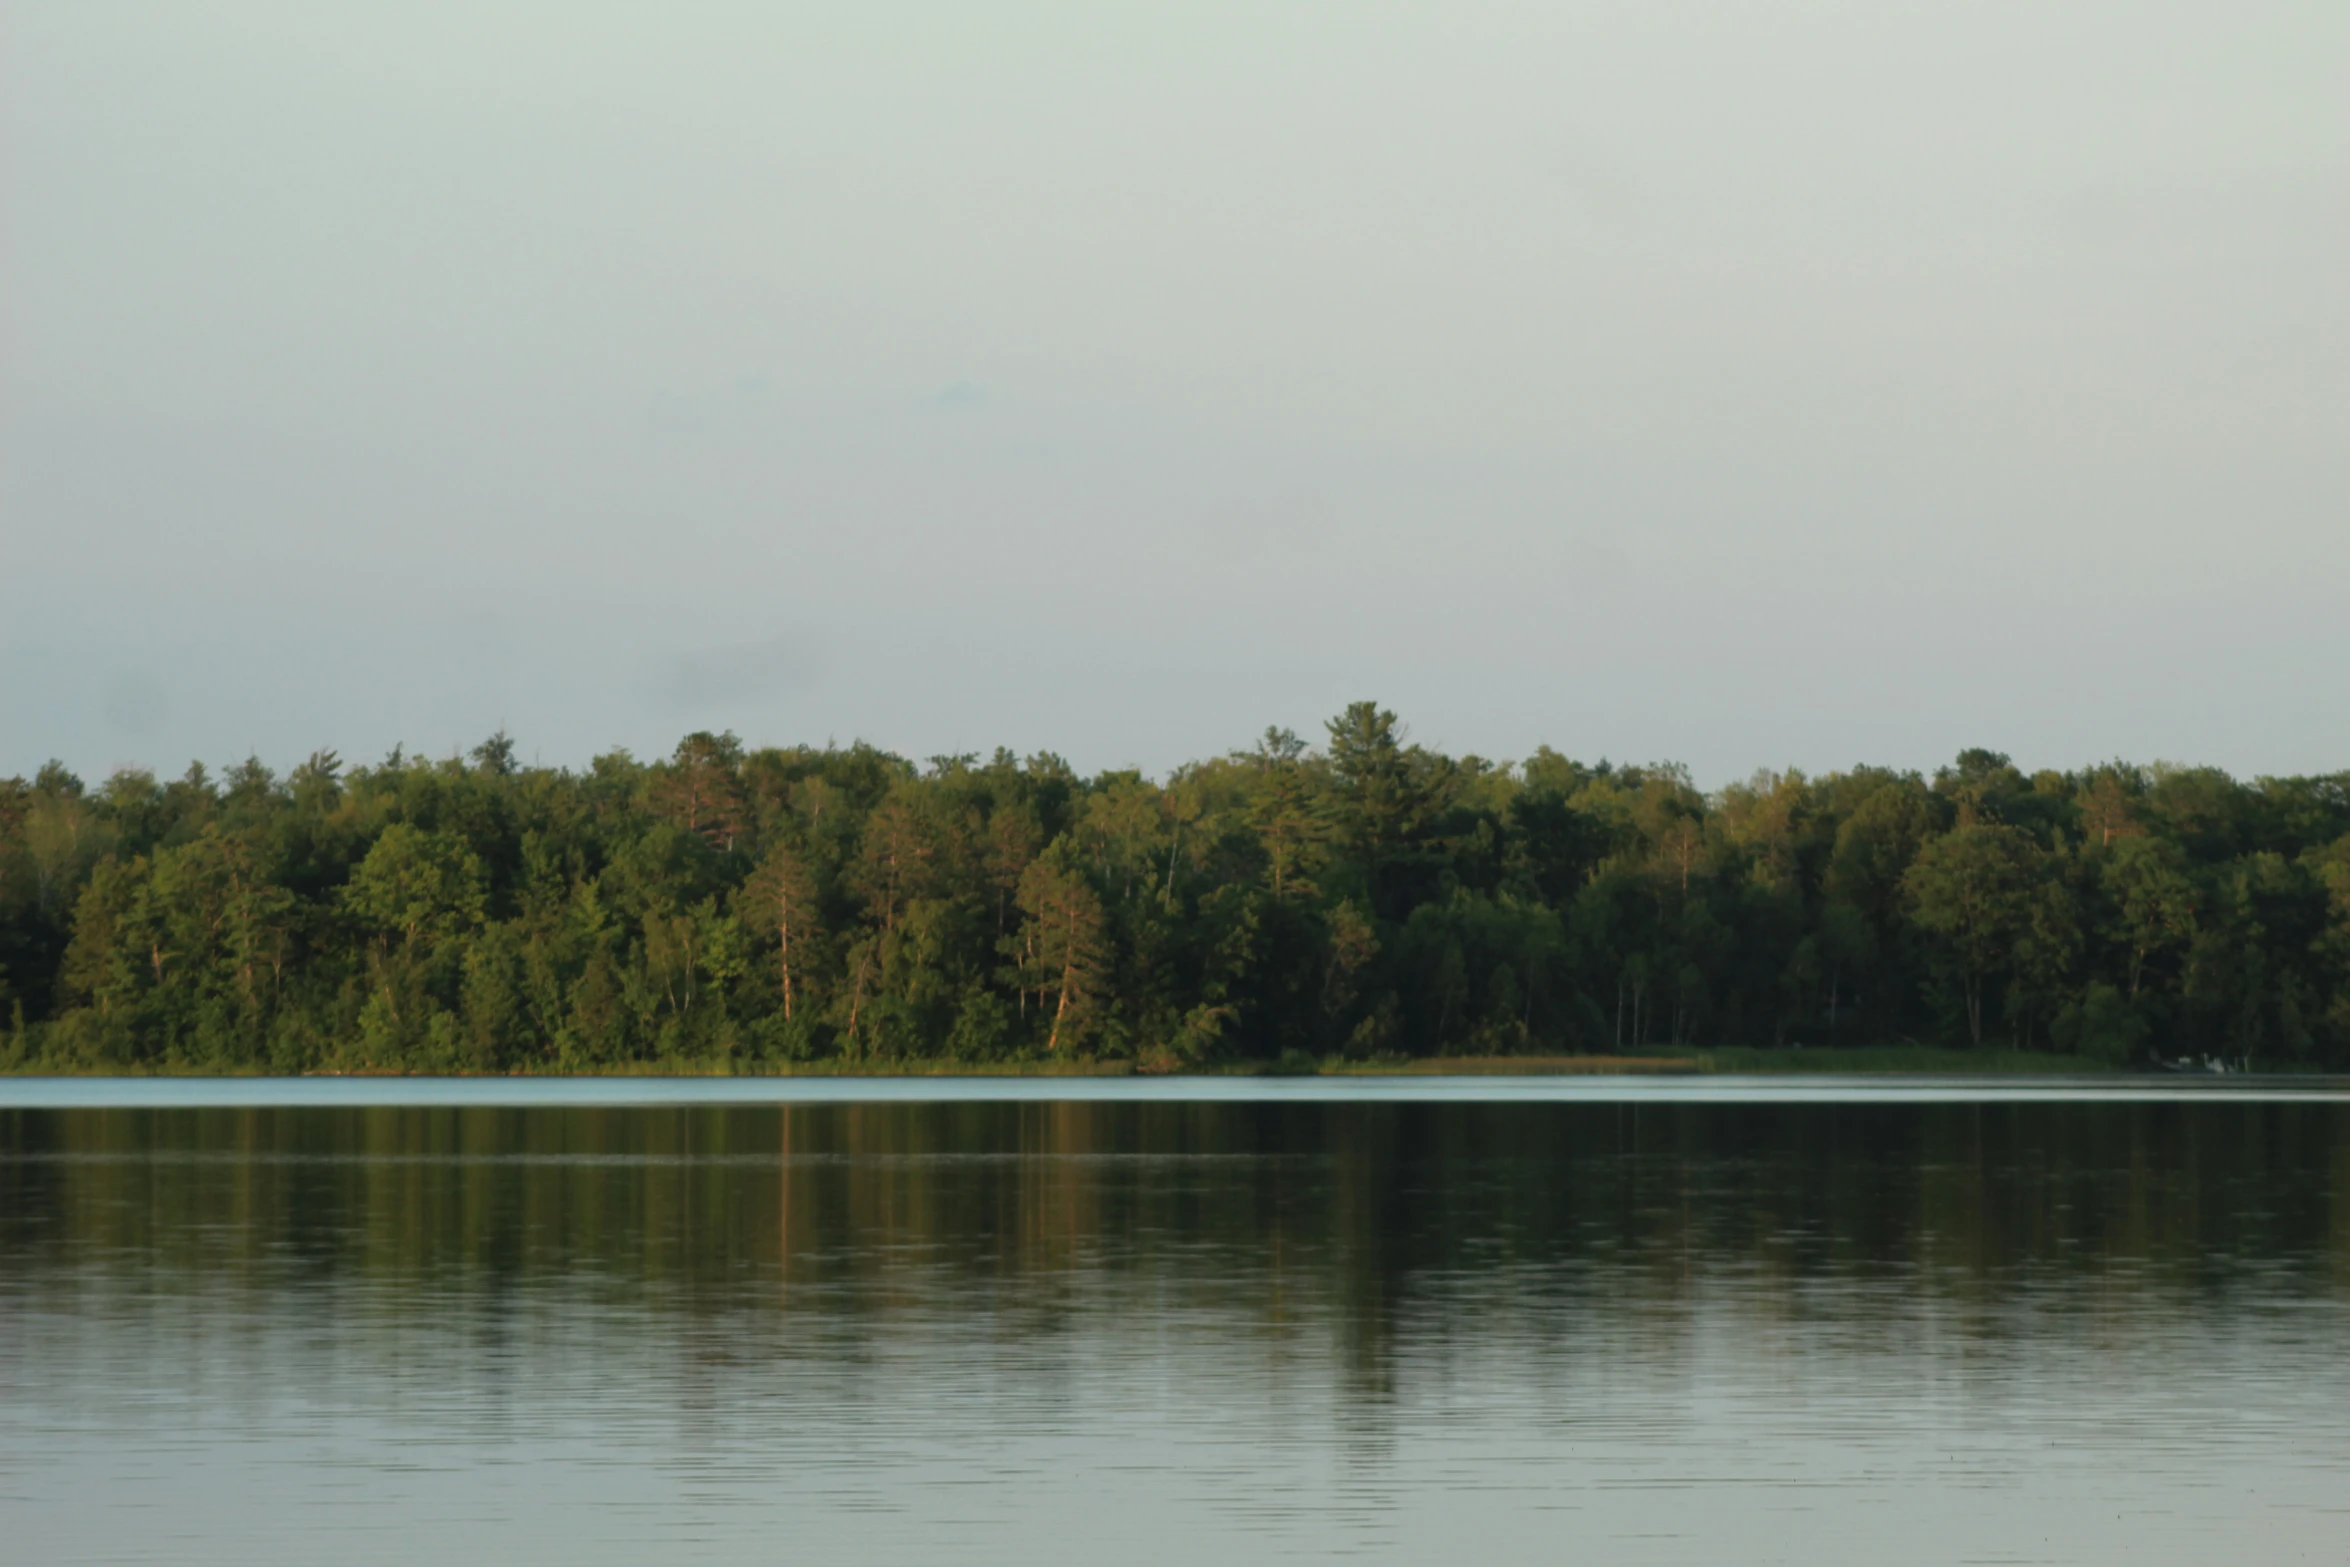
<point>1355,904</point>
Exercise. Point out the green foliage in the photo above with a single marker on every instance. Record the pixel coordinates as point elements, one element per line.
<point>1973,892</point>
<point>728,908</point>
<point>2101,1025</point>
<point>416,886</point>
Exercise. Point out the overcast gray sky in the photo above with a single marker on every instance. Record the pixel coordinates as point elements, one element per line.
<point>1750,384</point>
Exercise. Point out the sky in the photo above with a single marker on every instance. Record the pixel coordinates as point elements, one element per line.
<point>1788,385</point>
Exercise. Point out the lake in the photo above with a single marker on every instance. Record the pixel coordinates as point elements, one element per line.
<point>1084,1321</point>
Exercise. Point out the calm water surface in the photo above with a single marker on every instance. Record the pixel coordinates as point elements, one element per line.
<point>1817,1328</point>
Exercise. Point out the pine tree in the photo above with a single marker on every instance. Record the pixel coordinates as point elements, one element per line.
<point>1065,947</point>
<point>781,897</point>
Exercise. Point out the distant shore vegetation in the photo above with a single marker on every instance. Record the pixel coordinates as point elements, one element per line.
<point>1357,901</point>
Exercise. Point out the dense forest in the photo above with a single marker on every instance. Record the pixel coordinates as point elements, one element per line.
<point>1365,899</point>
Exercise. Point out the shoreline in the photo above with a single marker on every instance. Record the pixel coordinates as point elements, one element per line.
<point>1726,1062</point>
<point>496,1095</point>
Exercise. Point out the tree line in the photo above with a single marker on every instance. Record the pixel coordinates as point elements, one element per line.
<point>1365,898</point>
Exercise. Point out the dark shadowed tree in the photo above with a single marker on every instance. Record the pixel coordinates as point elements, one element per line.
<point>1973,891</point>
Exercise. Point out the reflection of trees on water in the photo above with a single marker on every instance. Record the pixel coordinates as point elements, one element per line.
<point>1366,1235</point>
